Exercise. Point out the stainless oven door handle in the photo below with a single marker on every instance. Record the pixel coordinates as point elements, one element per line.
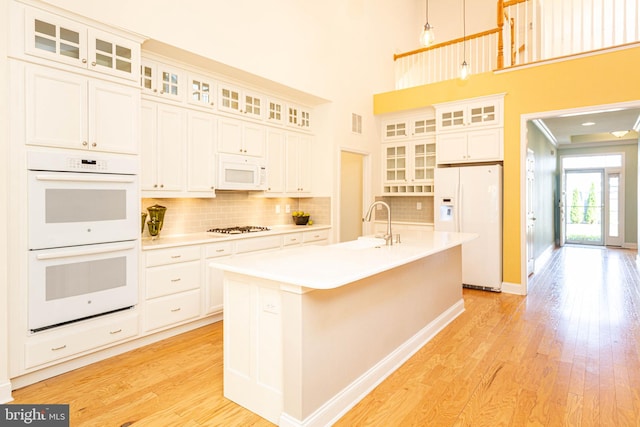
<point>85,251</point>
<point>87,178</point>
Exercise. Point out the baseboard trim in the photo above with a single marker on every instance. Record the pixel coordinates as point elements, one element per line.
<point>630,246</point>
<point>5,392</point>
<point>514,288</point>
<point>340,404</point>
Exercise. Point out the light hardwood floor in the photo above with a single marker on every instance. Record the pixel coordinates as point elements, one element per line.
<point>567,354</point>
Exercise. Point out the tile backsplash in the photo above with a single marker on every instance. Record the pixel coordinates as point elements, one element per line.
<point>234,208</point>
<point>404,209</point>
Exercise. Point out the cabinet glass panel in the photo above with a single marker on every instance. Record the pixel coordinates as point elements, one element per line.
<point>396,129</point>
<point>396,163</point>
<point>252,105</point>
<point>453,118</point>
<point>305,121</point>
<point>293,116</point>
<point>170,83</point>
<point>146,77</point>
<point>423,126</point>
<point>50,38</point>
<point>483,114</point>
<point>104,52</point>
<point>275,111</point>
<point>123,59</point>
<point>231,99</point>
<point>200,91</point>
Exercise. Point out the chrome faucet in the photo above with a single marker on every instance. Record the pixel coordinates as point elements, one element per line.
<point>388,237</point>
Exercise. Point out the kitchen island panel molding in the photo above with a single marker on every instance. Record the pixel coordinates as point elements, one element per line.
<point>336,342</point>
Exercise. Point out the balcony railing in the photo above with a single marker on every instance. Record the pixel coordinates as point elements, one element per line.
<point>527,31</point>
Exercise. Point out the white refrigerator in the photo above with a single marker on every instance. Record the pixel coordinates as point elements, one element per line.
<point>469,199</point>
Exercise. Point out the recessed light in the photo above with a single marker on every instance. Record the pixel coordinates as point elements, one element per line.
<point>619,133</point>
<point>588,123</point>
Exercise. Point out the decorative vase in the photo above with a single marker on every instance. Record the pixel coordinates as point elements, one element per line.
<point>156,214</point>
<point>154,228</point>
<point>143,218</point>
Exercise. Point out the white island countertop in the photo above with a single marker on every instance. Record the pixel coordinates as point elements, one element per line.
<point>332,266</point>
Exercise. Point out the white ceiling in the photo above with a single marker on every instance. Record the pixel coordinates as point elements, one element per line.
<point>571,129</point>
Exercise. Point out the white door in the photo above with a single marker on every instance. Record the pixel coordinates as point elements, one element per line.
<point>531,218</point>
<point>351,195</point>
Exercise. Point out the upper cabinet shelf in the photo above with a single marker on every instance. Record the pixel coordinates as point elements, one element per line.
<point>69,42</point>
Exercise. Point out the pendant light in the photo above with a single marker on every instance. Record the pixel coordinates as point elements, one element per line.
<point>427,36</point>
<point>465,69</point>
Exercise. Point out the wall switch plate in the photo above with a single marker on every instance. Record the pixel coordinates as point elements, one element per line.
<point>287,208</point>
<point>277,209</point>
<point>419,206</point>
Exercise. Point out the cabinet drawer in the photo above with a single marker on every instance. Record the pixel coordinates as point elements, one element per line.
<point>172,255</point>
<point>258,244</point>
<point>172,309</point>
<point>218,249</point>
<point>171,279</point>
<point>315,236</point>
<point>76,339</point>
<point>292,239</point>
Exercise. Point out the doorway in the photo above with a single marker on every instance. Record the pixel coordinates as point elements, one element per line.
<point>593,200</point>
<point>352,167</point>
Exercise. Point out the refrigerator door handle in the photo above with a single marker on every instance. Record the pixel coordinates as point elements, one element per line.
<point>460,194</point>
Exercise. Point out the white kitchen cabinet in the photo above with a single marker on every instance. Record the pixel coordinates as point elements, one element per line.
<point>241,137</point>
<point>315,237</point>
<point>257,244</point>
<point>298,117</point>
<point>214,277</point>
<point>201,151</point>
<point>395,129</point>
<point>163,80</point>
<point>298,164</point>
<point>470,114</point>
<point>97,115</point>
<point>74,340</point>
<point>172,286</point>
<point>66,41</point>
<point>237,100</point>
<point>201,91</point>
<point>276,140</point>
<point>470,131</point>
<point>276,111</point>
<point>476,146</point>
<point>408,167</point>
<point>163,148</point>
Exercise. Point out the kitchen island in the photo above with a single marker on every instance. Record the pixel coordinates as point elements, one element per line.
<point>308,332</point>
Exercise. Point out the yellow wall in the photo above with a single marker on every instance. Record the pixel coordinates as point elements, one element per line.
<point>605,78</point>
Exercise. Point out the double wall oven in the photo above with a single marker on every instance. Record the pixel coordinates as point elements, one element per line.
<point>83,230</point>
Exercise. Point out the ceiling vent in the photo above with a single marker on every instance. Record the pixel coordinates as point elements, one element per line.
<point>356,123</point>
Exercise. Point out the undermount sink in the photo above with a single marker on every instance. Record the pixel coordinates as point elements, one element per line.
<point>363,243</point>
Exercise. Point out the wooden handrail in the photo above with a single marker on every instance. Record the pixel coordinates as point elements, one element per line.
<point>447,43</point>
<point>514,2</point>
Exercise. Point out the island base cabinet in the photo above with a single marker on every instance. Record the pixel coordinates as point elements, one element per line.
<point>253,350</point>
<point>298,356</point>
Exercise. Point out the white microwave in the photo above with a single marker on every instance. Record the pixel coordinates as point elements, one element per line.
<point>239,172</point>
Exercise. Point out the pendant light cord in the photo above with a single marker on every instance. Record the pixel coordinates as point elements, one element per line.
<point>464,30</point>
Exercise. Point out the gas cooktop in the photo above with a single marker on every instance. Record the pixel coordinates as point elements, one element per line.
<point>238,230</point>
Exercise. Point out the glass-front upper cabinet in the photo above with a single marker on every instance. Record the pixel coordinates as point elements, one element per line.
<point>239,101</point>
<point>162,80</point>
<point>63,40</point>
<point>298,117</point>
<point>201,91</point>
<point>276,111</point>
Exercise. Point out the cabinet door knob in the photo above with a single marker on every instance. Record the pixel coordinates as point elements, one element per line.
<point>94,144</point>
<point>93,64</point>
<point>84,60</point>
<point>85,143</point>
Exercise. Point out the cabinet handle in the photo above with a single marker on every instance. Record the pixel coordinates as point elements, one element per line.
<point>95,144</point>
<point>175,280</point>
<point>155,185</point>
<point>84,60</point>
<point>85,143</point>
<point>59,348</point>
<point>175,310</point>
<point>115,332</point>
<point>93,64</point>
<point>161,185</point>
<point>220,250</point>
<point>176,256</point>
